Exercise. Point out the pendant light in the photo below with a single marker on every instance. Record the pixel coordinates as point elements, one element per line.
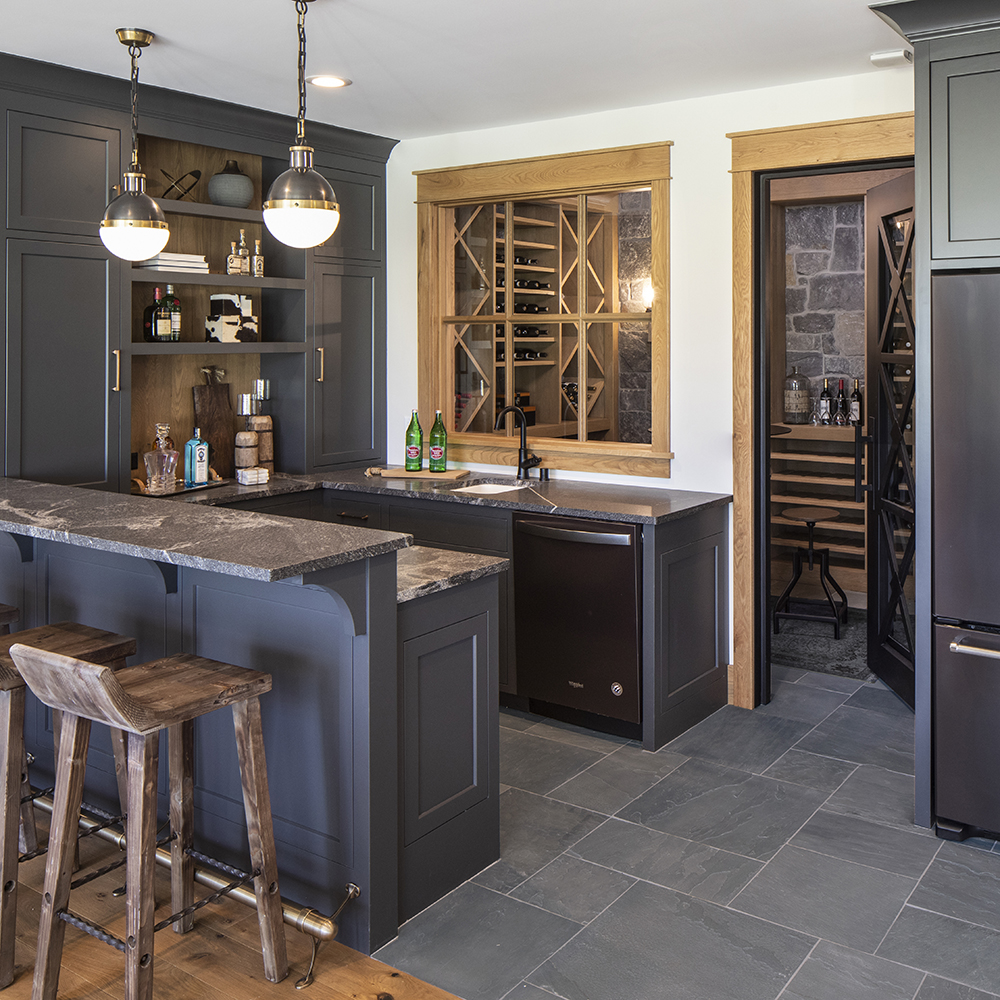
<point>134,227</point>
<point>301,209</point>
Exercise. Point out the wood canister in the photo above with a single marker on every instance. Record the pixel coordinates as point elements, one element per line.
<point>246,455</point>
<point>264,426</point>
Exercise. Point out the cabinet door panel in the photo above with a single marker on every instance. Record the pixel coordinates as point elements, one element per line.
<point>359,234</point>
<point>349,402</point>
<point>60,173</point>
<point>62,415</point>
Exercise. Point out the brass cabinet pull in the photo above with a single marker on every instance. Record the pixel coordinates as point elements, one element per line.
<point>117,387</point>
<point>357,517</point>
<point>322,365</point>
<point>960,647</point>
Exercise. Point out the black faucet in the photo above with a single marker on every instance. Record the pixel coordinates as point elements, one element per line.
<point>524,460</point>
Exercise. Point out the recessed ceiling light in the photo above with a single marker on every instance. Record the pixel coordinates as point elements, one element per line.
<point>325,80</point>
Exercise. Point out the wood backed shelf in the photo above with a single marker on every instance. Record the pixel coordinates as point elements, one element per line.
<point>207,347</point>
<point>150,276</point>
<point>204,211</point>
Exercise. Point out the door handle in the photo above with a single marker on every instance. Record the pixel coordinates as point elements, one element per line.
<point>860,440</point>
<point>117,387</point>
<point>569,535</point>
<point>960,647</point>
<point>322,365</point>
<point>356,517</point>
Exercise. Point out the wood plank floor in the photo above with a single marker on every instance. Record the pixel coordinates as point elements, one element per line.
<point>220,958</point>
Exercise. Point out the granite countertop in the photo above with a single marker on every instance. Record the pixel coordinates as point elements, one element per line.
<point>421,570</point>
<point>236,543</point>
<point>601,501</point>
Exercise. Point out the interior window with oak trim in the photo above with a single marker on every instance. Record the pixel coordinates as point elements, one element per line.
<point>544,283</point>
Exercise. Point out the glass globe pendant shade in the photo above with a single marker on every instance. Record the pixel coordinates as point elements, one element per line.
<point>301,209</point>
<point>134,227</point>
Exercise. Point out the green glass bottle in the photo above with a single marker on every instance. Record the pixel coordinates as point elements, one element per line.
<point>438,445</point>
<point>414,445</point>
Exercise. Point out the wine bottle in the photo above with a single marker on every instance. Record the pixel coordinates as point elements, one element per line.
<point>537,284</point>
<point>148,333</point>
<point>161,318</point>
<point>438,461</point>
<point>196,460</point>
<point>501,305</point>
<point>825,403</point>
<point>841,407</point>
<point>414,445</point>
<point>856,404</point>
<point>174,308</point>
<point>500,281</point>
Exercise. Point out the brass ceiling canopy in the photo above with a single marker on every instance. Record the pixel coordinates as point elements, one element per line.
<point>136,36</point>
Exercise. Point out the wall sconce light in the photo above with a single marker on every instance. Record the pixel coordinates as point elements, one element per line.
<point>134,227</point>
<point>647,294</point>
<point>301,209</point>
<point>892,57</point>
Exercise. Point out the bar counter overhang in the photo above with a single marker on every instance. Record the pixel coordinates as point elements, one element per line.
<point>313,604</point>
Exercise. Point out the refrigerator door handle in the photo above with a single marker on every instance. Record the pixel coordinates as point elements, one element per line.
<point>959,646</point>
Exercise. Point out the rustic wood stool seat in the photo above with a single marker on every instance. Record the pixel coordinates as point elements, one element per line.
<point>62,637</point>
<point>170,694</point>
<point>8,615</point>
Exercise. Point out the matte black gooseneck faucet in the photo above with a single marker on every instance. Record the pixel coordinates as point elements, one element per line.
<point>524,460</point>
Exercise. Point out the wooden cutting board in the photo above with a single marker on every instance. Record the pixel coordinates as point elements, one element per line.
<point>423,474</point>
<point>213,413</point>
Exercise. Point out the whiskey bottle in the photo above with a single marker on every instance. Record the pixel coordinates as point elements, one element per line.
<point>826,403</point>
<point>414,445</point>
<point>257,261</point>
<point>233,260</point>
<point>856,404</point>
<point>438,461</point>
<point>244,253</point>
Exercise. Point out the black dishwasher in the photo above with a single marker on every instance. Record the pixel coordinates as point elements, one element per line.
<point>577,594</point>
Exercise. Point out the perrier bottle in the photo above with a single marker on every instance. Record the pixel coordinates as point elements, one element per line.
<point>414,445</point>
<point>438,445</point>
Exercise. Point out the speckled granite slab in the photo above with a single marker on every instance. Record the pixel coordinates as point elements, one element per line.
<point>421,570</point>
<point>236,543</point>
<point>601,501</point>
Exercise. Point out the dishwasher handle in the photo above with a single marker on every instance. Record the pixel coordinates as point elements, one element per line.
<point>570,535</point>
<point>960,647</point>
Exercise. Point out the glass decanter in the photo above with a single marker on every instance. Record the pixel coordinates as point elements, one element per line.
<point>161,463</point>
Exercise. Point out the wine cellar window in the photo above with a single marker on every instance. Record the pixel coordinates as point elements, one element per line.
<point>545,283</point>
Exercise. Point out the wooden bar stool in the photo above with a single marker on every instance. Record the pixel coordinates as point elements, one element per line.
<point>164,694</point>
<point>62,637</point>
<point>8,615</point>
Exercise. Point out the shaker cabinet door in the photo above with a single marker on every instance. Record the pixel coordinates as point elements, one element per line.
<point>348,367</point>
<point>62,375</point>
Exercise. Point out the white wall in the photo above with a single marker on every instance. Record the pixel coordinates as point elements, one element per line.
<point>701,240</point>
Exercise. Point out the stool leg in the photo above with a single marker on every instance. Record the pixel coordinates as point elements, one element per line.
<point>119,747</point>
<point>28,839</point>
<point>181,758</point>
<point>56,738</point>
<point>12,734</point>
<point>257,803</point>
<point>143,756</point>
<point>70,768</point>
<point>786,594</point>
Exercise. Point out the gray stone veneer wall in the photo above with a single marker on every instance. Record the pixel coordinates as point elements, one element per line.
<point>825,293</point>
<point>635,360</point>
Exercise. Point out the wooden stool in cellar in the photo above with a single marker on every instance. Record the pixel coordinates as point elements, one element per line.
<point>838,611</point>
<point>169,693</point>
<point>62,637</point>
<point>8,615</point>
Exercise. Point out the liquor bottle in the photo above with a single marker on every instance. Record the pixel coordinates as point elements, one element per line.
<point>161,318</point>
<point>825,403</point>
<point>856,404</point>
<point>414,445</point>
<point>148,333</point>
<point>233,260</point>
<point>161,463</point>
<point>841,407</point>
<point>244,253</point>
<point>257,261</point>
<point>796,397</point>
<point>174,312</point>
<point>196,460</point>
<point>438,441</point>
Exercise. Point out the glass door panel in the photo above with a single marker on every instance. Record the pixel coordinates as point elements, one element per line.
<point>619,251</point>
<point>478,375</point>
<point>473,229</point>
<point>569,380</point>
<point>602,409</point>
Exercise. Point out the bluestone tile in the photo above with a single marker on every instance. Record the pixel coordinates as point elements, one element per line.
<point>476,943</point>
<point>825,774</point>
<point>963,882</point>
<point>880,699</point>
<point>533,831</point>
<point>830,682</point>
<point>572,888</point>
<point>949,948</point>
<point>525,991</point>
<point>588,739</point>
<point>740,738</point>
<point>821,896</point>
<point>516,720</point>
<point>850,838</point>
<point>804,704</point>
<point>696,869</point>
<point>833,972</point>
<point>789,675</point>
<point>653,943</point>
<point>877,794</point>
<point>942,989</point>
<point>725,808</point>
<point>864,737</point>
<point>538,765</point>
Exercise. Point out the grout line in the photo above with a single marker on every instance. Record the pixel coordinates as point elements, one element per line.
<point>798,970</point>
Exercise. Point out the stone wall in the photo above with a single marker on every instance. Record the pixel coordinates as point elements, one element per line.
<point>825,293</point>
<point>635,360</point>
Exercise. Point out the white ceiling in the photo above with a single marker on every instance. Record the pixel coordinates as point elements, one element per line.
<point>426,67</point>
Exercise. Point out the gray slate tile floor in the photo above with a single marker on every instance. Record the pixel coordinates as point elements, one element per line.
<point>766,855</point>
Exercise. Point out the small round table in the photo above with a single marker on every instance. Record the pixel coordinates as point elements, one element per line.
<point>838,610</point>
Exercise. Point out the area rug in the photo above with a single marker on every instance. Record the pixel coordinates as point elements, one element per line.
<point>811,646</point>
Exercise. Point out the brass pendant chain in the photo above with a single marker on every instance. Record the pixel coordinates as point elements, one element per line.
<point>300,133</point>
<point>135,51</point>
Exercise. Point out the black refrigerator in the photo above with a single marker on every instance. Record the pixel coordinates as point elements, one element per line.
<point>966,551</point>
